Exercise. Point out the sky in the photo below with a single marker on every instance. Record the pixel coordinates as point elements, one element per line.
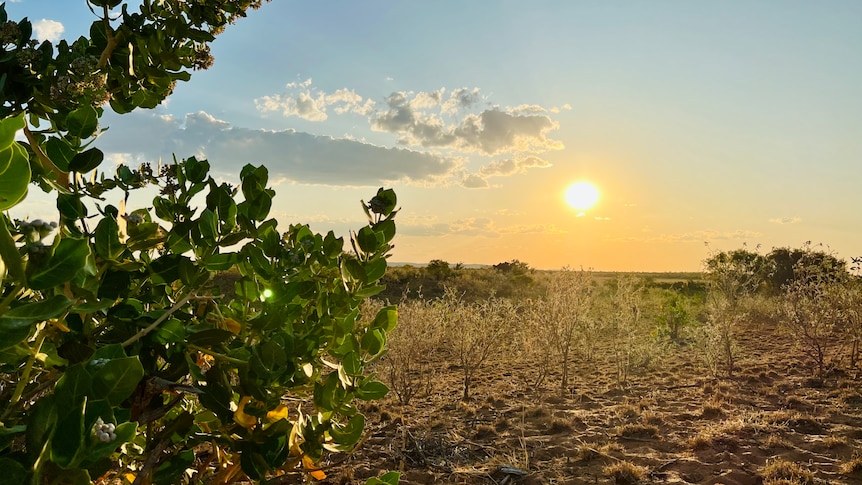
<point>705,126</point>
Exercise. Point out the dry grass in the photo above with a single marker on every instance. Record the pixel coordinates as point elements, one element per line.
<point>776,441</point>
<point>852,467</point>
<point>637,430</point>
<point>711,409</point>
<point>625,473</point>
<point>785,473</point>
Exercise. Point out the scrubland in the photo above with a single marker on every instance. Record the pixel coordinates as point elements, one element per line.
<point>511,375</point>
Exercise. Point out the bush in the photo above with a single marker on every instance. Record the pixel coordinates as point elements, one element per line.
<point>118,354</point>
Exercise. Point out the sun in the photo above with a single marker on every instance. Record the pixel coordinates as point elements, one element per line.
<point>582,195</point>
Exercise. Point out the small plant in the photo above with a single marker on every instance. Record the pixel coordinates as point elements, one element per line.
<point>675,314</point>
<point>812,309</point>
<point>786,472</point>
<point>412,346</point>
<point>852,467</point>
<point>625,473</point>
<point>475,330</point>
<point>562,316</point>
<point>632,346</point>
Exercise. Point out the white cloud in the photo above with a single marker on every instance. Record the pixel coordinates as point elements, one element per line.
<point>312,104</point>
<point>296,156</point>
<point>472,226</point>
<point>502,168</point>
<point>785,220</point>
<point>695,236</point>
<point>49,30</point>
<point>442,119</point>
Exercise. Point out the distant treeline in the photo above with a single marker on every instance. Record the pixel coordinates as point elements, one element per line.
<point>509,279</point>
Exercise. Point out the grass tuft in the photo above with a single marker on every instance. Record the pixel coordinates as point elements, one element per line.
<point>625,473</point>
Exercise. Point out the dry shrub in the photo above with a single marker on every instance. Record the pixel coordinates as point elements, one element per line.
<point>711,409</point>
<point>633,346</point>
<point>475,331</point>
<point>812,310</point>
<point>625,473</point>
<point>786,472</point>
<point>776,441</point>
<point>560,323</point>
<point>852,467</point>
<point>413,345</point>
<point>557,426</point>
<point>637,430</point>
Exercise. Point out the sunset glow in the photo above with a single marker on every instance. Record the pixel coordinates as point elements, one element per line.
<point>695,122</point>
<point>582,195</point>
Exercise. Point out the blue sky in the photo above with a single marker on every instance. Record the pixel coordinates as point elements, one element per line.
<point>720,123</point>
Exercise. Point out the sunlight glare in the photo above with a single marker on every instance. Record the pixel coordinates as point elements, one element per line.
<point>582,195</point>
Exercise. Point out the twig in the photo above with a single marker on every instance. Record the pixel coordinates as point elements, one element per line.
<point>112,40</point>
<point>134,338</point>
<point>62,177</point>
<point>150,463</point>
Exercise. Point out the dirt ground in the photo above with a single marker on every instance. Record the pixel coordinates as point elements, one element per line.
<point>769,423</point>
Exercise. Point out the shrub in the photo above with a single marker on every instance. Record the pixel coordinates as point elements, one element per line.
<point>475,330</point>
<point>812,310</point>
<point>412,347</point>
<point>118,353</point>
<point>562,316</point>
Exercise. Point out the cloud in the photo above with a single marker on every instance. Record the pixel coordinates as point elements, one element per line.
<point>442,119</point>
<point>694,236</point>
<point>502,168</point>
<point>295,156</point>
<point>49,30</point>
<point>312,104</point>
<point>785,220</point>
<point>513,166</point>
<point>471,226</point>
<point>490,132</point>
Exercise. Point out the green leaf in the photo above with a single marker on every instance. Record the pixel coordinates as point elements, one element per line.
<point>391,478</point>
<point>14,473</point>
<point>207,226</point>
<point>369,241</point>
<point>349,434</point>
<point>171,471</point>
<point>386,319</point>
<point>375,269</point>
<point>386,228</point>
<point>372,391</point>
<point>69,438</point>
<point>352,364</point>
<point>196,171</point>
<point>166,270</point>
<point>117,379</point>
<point>14,175</point>
<point>125,432</point>
<point>60,153</point>
<point>373,342</point>
<point>170,332</point>
<point>108,245</point>
<point>253,463</point>
<point>220,262</point>
<point>384,202</point>
<point>68,259</point>
<point>93,306</point>
<point>82,122</point>
<point>87,160</point>
<point>15,324</point>
<point>8,128</point>
<point>71,207</point>
<point>75,384</point>
<point>9,252</point>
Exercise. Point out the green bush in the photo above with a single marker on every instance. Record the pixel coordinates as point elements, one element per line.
<point>118,353</point>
